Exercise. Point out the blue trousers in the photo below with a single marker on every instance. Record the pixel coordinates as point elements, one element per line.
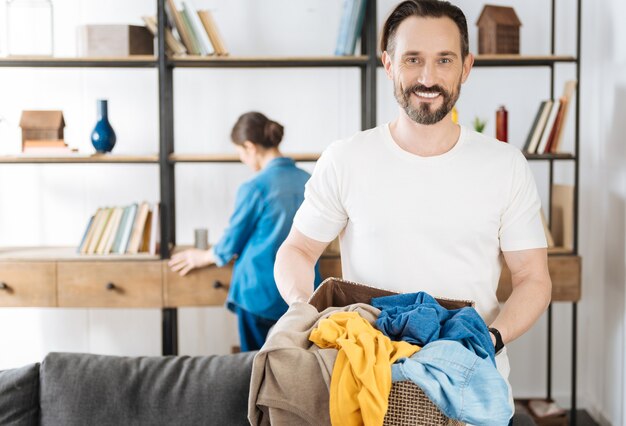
<point>253,330</point>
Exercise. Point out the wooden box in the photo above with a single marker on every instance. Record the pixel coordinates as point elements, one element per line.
<point>498,31</point>
<point>114,40</point>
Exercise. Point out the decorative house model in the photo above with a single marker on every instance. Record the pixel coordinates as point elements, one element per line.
<point>498,30</point>
<point>42,126</point>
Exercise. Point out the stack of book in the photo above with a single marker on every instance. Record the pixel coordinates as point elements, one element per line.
<point>123,230</point>
<point>189,30</point>
<point>546,133</point>
<point>350,27</point>
<point>47,147</point>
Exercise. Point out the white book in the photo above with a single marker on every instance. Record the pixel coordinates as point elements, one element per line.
<point>548,128</point>
<point>128,227</point>
<point>198,29</point>
<point>541,124</point>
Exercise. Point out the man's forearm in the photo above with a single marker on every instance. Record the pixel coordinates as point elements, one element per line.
<point>526,304</point>
<point>294,272</point>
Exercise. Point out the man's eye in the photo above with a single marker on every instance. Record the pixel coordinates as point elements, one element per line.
<point>412,60</point>
<point>445,60</point>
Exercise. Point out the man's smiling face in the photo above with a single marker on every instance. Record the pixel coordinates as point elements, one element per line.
<point>427,67</point>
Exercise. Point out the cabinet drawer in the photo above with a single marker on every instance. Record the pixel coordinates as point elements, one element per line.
<point>110,284</point>
<point>29,284</point>
<point>197,288</point>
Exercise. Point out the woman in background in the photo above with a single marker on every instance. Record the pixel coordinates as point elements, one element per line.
<point>263,215</point>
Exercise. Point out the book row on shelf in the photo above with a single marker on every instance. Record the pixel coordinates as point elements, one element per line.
<point>129,229</point>
<point>546,132</point>
<point>188,30</point>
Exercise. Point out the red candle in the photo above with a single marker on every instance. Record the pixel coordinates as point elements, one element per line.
<point>502,124</point>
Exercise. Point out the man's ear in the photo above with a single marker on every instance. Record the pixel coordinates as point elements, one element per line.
<point>468,63</point>
<point>386,60</point>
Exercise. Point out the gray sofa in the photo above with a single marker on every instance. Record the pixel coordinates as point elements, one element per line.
<point>78,389</point>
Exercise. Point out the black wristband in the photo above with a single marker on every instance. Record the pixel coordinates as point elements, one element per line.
<point>499,343</point>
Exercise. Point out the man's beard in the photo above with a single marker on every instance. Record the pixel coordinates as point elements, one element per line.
<point>422,114</point>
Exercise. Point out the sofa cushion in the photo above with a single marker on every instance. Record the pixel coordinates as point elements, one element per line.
<point>78,389</point>
<point>19,396</point>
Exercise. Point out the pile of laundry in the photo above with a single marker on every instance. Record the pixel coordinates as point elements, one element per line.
<point>337,366</point>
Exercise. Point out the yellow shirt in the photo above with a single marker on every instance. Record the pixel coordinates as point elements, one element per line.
<point>361,379</point>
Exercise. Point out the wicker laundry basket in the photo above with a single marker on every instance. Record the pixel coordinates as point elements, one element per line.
<point>408,404</point>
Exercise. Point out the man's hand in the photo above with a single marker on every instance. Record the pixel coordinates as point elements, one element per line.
<point>188,260</point>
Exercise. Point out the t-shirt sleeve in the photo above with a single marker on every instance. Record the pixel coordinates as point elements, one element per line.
<point>322,215</point>
<point>520,224</point>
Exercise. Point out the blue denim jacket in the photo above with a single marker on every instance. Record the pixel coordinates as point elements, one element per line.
<point>418,319</point>
<point>464,386</point>
<point>264,211</point>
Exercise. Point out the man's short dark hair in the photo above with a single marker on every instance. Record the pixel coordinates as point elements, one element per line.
<point>423,9</point>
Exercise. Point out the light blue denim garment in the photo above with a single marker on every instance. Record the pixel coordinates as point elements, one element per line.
<point>417,318</point>
<point>464,386</point>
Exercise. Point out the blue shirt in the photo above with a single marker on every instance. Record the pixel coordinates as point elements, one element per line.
<point>264,211</point>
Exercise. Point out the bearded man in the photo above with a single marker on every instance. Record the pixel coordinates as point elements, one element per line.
<point>421,203</point>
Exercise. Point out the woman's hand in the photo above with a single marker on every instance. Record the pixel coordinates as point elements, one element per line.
<point>187,260</point>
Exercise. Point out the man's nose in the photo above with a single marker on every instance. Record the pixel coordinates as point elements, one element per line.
<point>427,76</point>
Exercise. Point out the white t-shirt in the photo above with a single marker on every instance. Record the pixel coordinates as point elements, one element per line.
<point>436,224</point>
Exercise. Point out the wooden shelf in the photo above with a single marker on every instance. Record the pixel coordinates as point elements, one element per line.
<point>53,254</point>
<point>231,158</point>
<point>139,61</point>
<point>521,60</point>
<point>267,62</point>
<point>558,156</point>
<point>517,60</point>
<point>78,158</point>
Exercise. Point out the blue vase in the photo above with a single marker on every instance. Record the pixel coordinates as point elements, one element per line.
<point>103,136</point>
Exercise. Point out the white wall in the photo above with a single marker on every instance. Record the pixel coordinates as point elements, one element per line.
<point>50,204</point>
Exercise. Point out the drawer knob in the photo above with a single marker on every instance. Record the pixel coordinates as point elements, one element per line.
<point>110,286</point>
<point>4,286</point>
<point>218,284</point>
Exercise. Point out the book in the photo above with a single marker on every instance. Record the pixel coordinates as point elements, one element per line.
<point>181,29</point>
<point>120,230</point>
<point>155,229</point>
<point>568,93</point>
<point>197,29</point>
<point>563,216</point>
<point>545,135</point>
<point>99,230</point>
<point>96,218</point>
<point>173,46</point>
<point>532,148</point>
<point>84,238</point>
<point>356,23</point>
<point>533,126</point>
<point>344,27</point>
<point>192,36</point>
<point>136,235</point>
<point>144,246</point>
<point>206,17</point>
<point>108,230</point>
<point>127,229</point>
<point>116,217</point>
<point>554,130</point>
